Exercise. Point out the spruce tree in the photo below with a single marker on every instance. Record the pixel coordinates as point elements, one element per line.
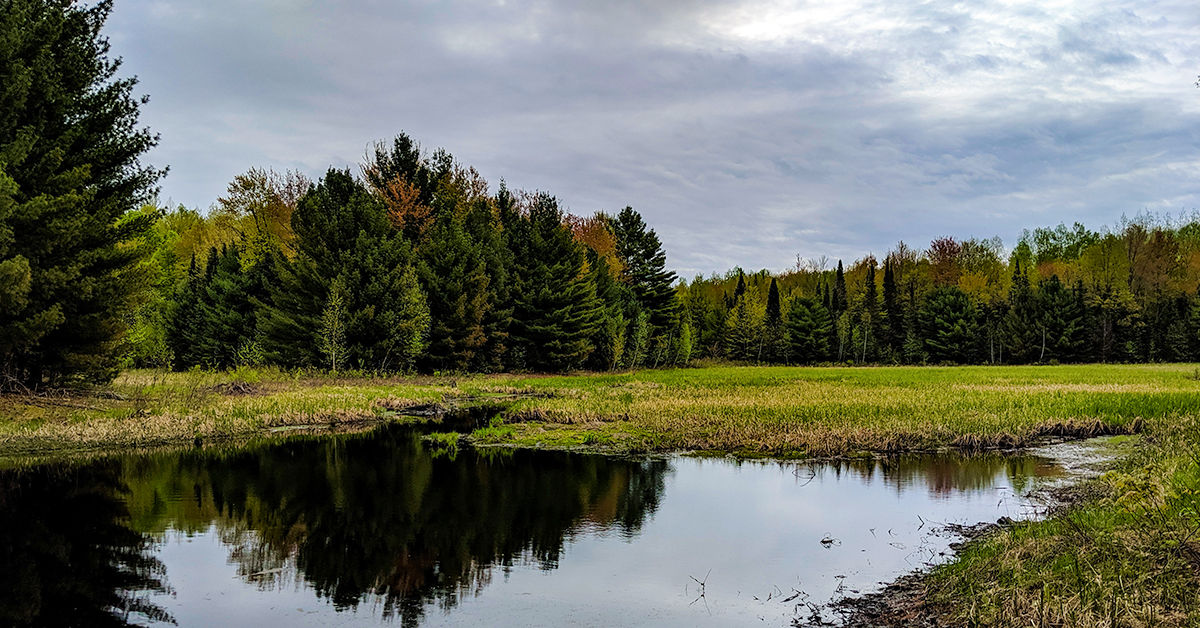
<point>891,328</point>
<point>838,303</point>
<point>1061,322</point>
<point>808,326</point>
<point>556,309</point>
<point>948,327</point>
<point>1022,325</point>
<point>70,188</point>
<point>644,259</point>
<point>870,313</point>
<point>453,273</point>
<point>228,322</point>
<point>774,314</point>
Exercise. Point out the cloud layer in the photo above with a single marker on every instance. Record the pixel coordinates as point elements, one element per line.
<point>747,132</point>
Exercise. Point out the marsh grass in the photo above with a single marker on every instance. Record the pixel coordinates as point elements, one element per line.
<point>1125,553</point>
<point>147,408</point>
<point>752,411</point>
<point>837,411</point>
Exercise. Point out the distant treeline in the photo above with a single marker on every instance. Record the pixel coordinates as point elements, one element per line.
<point>1066,294</point>
<point>412,265</point>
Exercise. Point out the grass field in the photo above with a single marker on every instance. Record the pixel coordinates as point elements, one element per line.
<point>779,411</point>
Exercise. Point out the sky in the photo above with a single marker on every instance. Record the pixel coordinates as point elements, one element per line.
<point>747,132</point>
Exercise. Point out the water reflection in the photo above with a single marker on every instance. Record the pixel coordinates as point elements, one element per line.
<point>945,474</point>
<point>380,517</point>
<point>380,522</point>
<point>67,556</point>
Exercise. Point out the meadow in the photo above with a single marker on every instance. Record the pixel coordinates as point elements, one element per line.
<point>752,411</point>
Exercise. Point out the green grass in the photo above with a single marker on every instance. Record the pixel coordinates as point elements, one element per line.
<point>754,411</point>
<point>790,411</point>
<point>1127,553</point>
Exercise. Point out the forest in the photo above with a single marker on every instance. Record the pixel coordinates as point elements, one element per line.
<point>414,262</point>
<point>415,265</point>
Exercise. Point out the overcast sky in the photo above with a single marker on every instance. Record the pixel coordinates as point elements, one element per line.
<point>745,132</point>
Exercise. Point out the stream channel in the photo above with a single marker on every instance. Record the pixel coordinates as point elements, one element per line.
<point>383,528</point>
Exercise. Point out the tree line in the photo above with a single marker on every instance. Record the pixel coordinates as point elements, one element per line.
<point>1063,294</point>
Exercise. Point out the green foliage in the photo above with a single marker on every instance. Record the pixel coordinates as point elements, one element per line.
<point>948,325</point>
<point>557,310</point>
<point>644,261</point>
<point>332,340</point>
<point>639,340</point>
<point>745,328</point>
<point>70,188</point>
<point>342,234</point>
<point>808,327</point>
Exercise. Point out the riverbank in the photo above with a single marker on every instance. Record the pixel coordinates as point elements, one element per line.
<point>784,412</point>
<point>1121,548</point>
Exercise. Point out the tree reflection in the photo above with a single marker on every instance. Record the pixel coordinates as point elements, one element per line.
<point>67,557</point>
<point>948,473</point>
<point>379,517</point>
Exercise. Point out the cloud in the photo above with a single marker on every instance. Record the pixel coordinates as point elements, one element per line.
<point>746,132</point>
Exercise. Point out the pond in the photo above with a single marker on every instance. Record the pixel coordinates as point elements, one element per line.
<point>381,528</point>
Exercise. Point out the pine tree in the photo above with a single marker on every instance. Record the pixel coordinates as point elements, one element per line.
<point>774,340</point>
<point>453,274</point>
<point>1061,322</point>
<point>891,328</point>
<point>644,261</point>
<point>870,312</point>
<point>744,328</point>
<point>187,321</point>
<point>343,235</point>
<point>228,309</point>
<point>838,303</point>
<point>70,190</point>
<point>948,325</point>
<point>557,311</point>
<point>1022,326</point>
<point>774,314</point>
<point>808,326</point>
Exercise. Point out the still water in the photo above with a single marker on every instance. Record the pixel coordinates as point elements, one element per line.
<point>378,529</point>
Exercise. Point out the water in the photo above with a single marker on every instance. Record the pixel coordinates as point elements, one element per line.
<point>378,529</point>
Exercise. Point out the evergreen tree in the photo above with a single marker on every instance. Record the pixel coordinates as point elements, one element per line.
<point>808,326</point>
<point>774,340</point>
<point>187,322</point>
<point>70,188</point>
<point>740,290</point>
<point>774,314</point>
<point>744,329</point>
<point>557,311</point>
<point>644,261</point>
<point>838,301</point>
<point>870,312</point>
<point>1061,322</point>
<point>1022,325</point>
<point>948,325</point>
<point>343,235</point>
<point>891,328</point>
<point>453,274</point>
<point>610,335</point>
<point>228,310</point>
